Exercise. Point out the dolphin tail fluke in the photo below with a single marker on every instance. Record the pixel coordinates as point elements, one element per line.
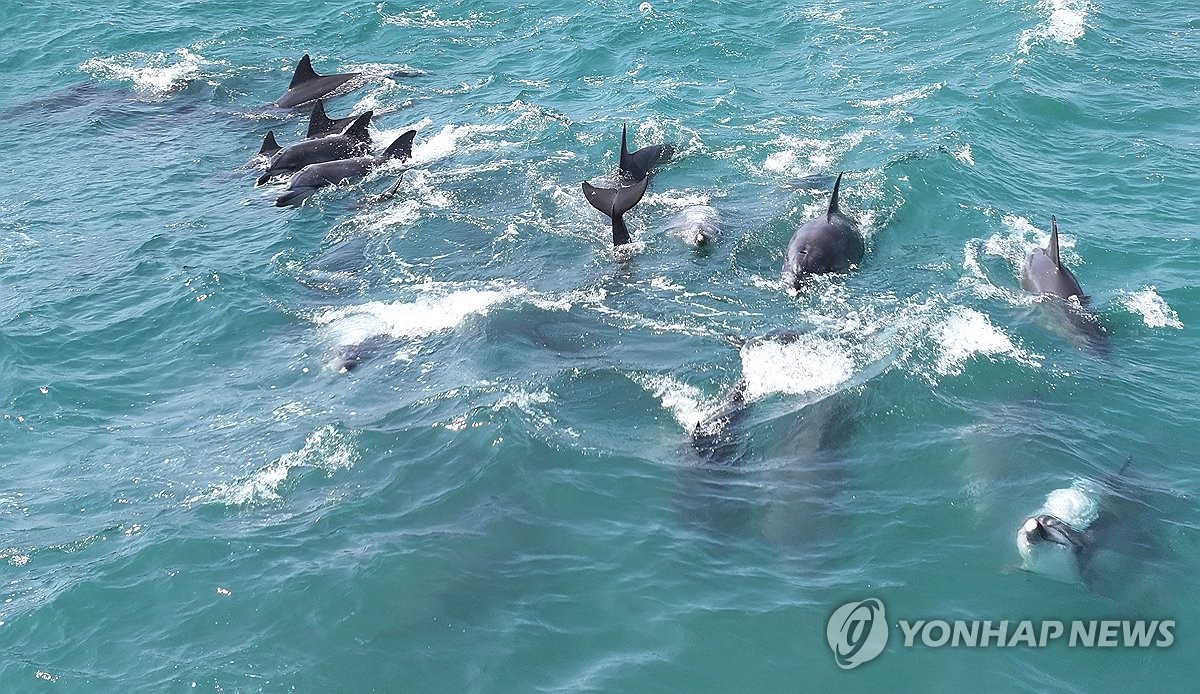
<point>358,129</point>
<point>269,145</point>
<point>1052,249</point>
<point>320,122</point>
<point>615,203</point>
<point>304,72</point>
<point>401,148</point>
<point>833,200</point>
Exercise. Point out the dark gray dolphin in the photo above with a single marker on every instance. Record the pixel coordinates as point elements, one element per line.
<point>269,145</point>
<point>639,164</point>
<point>354,142</point>
<point>1044,273</point>
<point>320,124</point>
<point>829,243</point>
<point>331,173</point>
<point>307,85</point>
<point>615,202</point>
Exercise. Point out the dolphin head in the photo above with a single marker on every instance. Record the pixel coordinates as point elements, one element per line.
<point>1050,547</point>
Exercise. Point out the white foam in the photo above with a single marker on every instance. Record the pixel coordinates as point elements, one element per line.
<point>964,155</point>
<point>683,401</point>
<point>150,73</point>
<point>426,18</point>
<point>899,99</point>
<point>1152,308</point>
<point>1064,24</point>
<point>430,313</point>
<point>966,333</point>
<point>325,449</point>
<point>810,364</point>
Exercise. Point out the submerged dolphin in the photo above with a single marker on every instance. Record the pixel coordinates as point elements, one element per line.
<point>1083,534</point>
<point>829,243</point>
<point>615,202</point>
<point>354,142</point>
<point>639,164</point>
<point>696,225</point>
<point>307,85</point>
<point>330,173</point>
<point>1044,273</point>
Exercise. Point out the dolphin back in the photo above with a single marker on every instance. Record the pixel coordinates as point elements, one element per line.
<point>401,148</point>
<point>639,164</point>
<point>320,124</point>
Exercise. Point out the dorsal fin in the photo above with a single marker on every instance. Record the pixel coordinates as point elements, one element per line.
<point>1052,249</point>
<point>626,163</point>
<point>358,129</point>
<point>833,200</point>
<point>320,122</point>
<point>400,149</point>
<point>269,146</point>
<point>304,72</point>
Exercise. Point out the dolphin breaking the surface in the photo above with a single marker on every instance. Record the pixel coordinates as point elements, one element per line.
<point>307,85</point>
<point>829,243</point>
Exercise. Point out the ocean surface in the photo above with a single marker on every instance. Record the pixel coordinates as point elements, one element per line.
<point>505,495</point>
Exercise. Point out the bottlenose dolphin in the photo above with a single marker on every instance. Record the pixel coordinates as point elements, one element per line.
<point>330,173</point>
<point>354,142</point>
<point>1044,273</point>
<point>615,202</point>
<point>778,464</point>
<point>269,145</point>
<point>1089,534</point>
<point>320,124</point>
<point>639,164</point>
<point>307,85</point>
<point>829,243</point>
<point>696,225</point>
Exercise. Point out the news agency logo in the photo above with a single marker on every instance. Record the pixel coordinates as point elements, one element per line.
<point>857,632</point>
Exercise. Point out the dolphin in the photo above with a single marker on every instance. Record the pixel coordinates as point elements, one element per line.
<point>269,145</point>
<point>307,85</point>
<point>829,243</point>
<point>330,173</point>
<point>697,225</point>
<point>1044,273</point>
<point>354,142</point>
<point>320,124</point>
<point>615,202</point>
<point>1093,534</point>
<point>639,164</point>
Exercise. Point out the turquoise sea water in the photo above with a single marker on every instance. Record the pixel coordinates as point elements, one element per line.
<point>505,496</point>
